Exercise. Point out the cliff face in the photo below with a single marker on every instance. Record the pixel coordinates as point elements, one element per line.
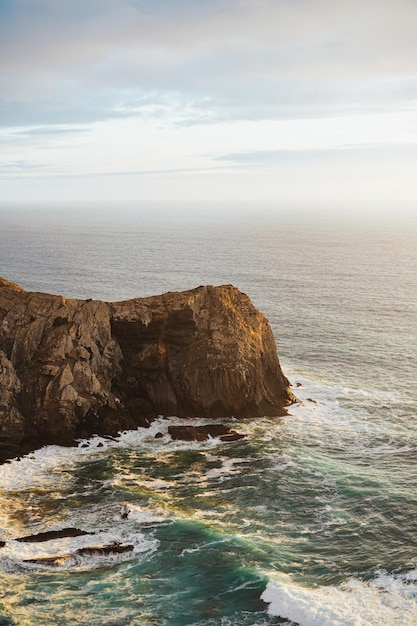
<point>71,368</point>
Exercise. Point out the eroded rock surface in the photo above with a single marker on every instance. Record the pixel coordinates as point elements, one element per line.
<point>70,368</point>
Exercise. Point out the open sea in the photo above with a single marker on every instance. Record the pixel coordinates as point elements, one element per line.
<point>311,520</point>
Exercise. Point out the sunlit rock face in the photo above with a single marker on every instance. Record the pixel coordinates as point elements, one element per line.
<point>71,368</point>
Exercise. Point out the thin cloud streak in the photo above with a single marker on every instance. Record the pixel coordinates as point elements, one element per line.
<point>340,153</point>
<point>13,168</point>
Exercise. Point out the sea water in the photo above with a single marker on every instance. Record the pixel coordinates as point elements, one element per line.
<point>309,520</point>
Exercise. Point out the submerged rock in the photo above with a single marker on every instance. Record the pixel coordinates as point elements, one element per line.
<point>73,368</point>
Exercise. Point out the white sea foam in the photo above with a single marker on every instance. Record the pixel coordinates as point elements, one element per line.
<point>209,544</point>
<point>52,470</point>
<point>107,524</point>
<point>228,467</point>
<point>40,469</point>
<point>16,556</point>
<point>144,515</point>
<point>348,419</point>
<point>386,600</point>
<point>107,527</point>
<point>53,465</point>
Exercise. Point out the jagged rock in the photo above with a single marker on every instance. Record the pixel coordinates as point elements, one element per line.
<point>11,420</point>
<point>202,433</point>
<point>54,534</point>
<point>72,368</point>
<point>113,548</point>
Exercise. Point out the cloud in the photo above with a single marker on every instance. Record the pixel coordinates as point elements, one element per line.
<point>39,137</point>
<point>50,131</point>
<point>82,61</point>
<point>18,168</point>
<point>343,154</point>
<point>23,170</point>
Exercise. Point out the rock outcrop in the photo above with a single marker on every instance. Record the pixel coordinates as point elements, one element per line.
<point>50,535</point>
<point>202,433</point>
<point>70,368</point>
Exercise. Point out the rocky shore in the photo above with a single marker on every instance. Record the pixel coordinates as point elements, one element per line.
<point>71,368</point>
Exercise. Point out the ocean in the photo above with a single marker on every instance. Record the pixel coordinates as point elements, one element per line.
<point>311,520</point>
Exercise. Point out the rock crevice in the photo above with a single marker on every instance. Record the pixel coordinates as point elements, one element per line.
<point>70,368</point>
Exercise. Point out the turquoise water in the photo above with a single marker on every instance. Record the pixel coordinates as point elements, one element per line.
<point>310,519</point>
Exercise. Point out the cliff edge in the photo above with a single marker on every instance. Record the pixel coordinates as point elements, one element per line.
<point>70,368</point>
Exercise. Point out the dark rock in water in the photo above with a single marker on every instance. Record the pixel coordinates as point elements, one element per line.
<point>56,561</point>
<point>2,544</point>
<point>73,368</point>
<point>202,433</point>
<point>54,534</point>
<point>159,436</point>
<point>124,514</point>
<point>232,436</point>
<point>113,548</point>
<point>110,438</point>
<point>51,561</point>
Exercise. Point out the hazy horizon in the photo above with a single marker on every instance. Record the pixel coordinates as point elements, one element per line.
<point>90,212</point>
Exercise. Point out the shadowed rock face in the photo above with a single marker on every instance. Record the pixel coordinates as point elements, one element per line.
<point>71,368</point>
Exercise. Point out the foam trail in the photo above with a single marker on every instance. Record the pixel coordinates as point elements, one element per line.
<point>390,600</point>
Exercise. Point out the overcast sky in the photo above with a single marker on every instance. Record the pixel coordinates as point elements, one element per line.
<point>274,102</point>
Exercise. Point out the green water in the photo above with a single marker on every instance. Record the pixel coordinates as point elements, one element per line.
<point>310,519</point>
<point>211,524</point>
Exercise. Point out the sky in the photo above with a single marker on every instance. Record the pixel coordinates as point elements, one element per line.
<point>257,102</point>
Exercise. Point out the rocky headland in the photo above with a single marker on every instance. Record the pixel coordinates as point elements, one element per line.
<point>72,368</point>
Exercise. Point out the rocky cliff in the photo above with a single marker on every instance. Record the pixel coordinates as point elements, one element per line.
<point>71,368</point>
